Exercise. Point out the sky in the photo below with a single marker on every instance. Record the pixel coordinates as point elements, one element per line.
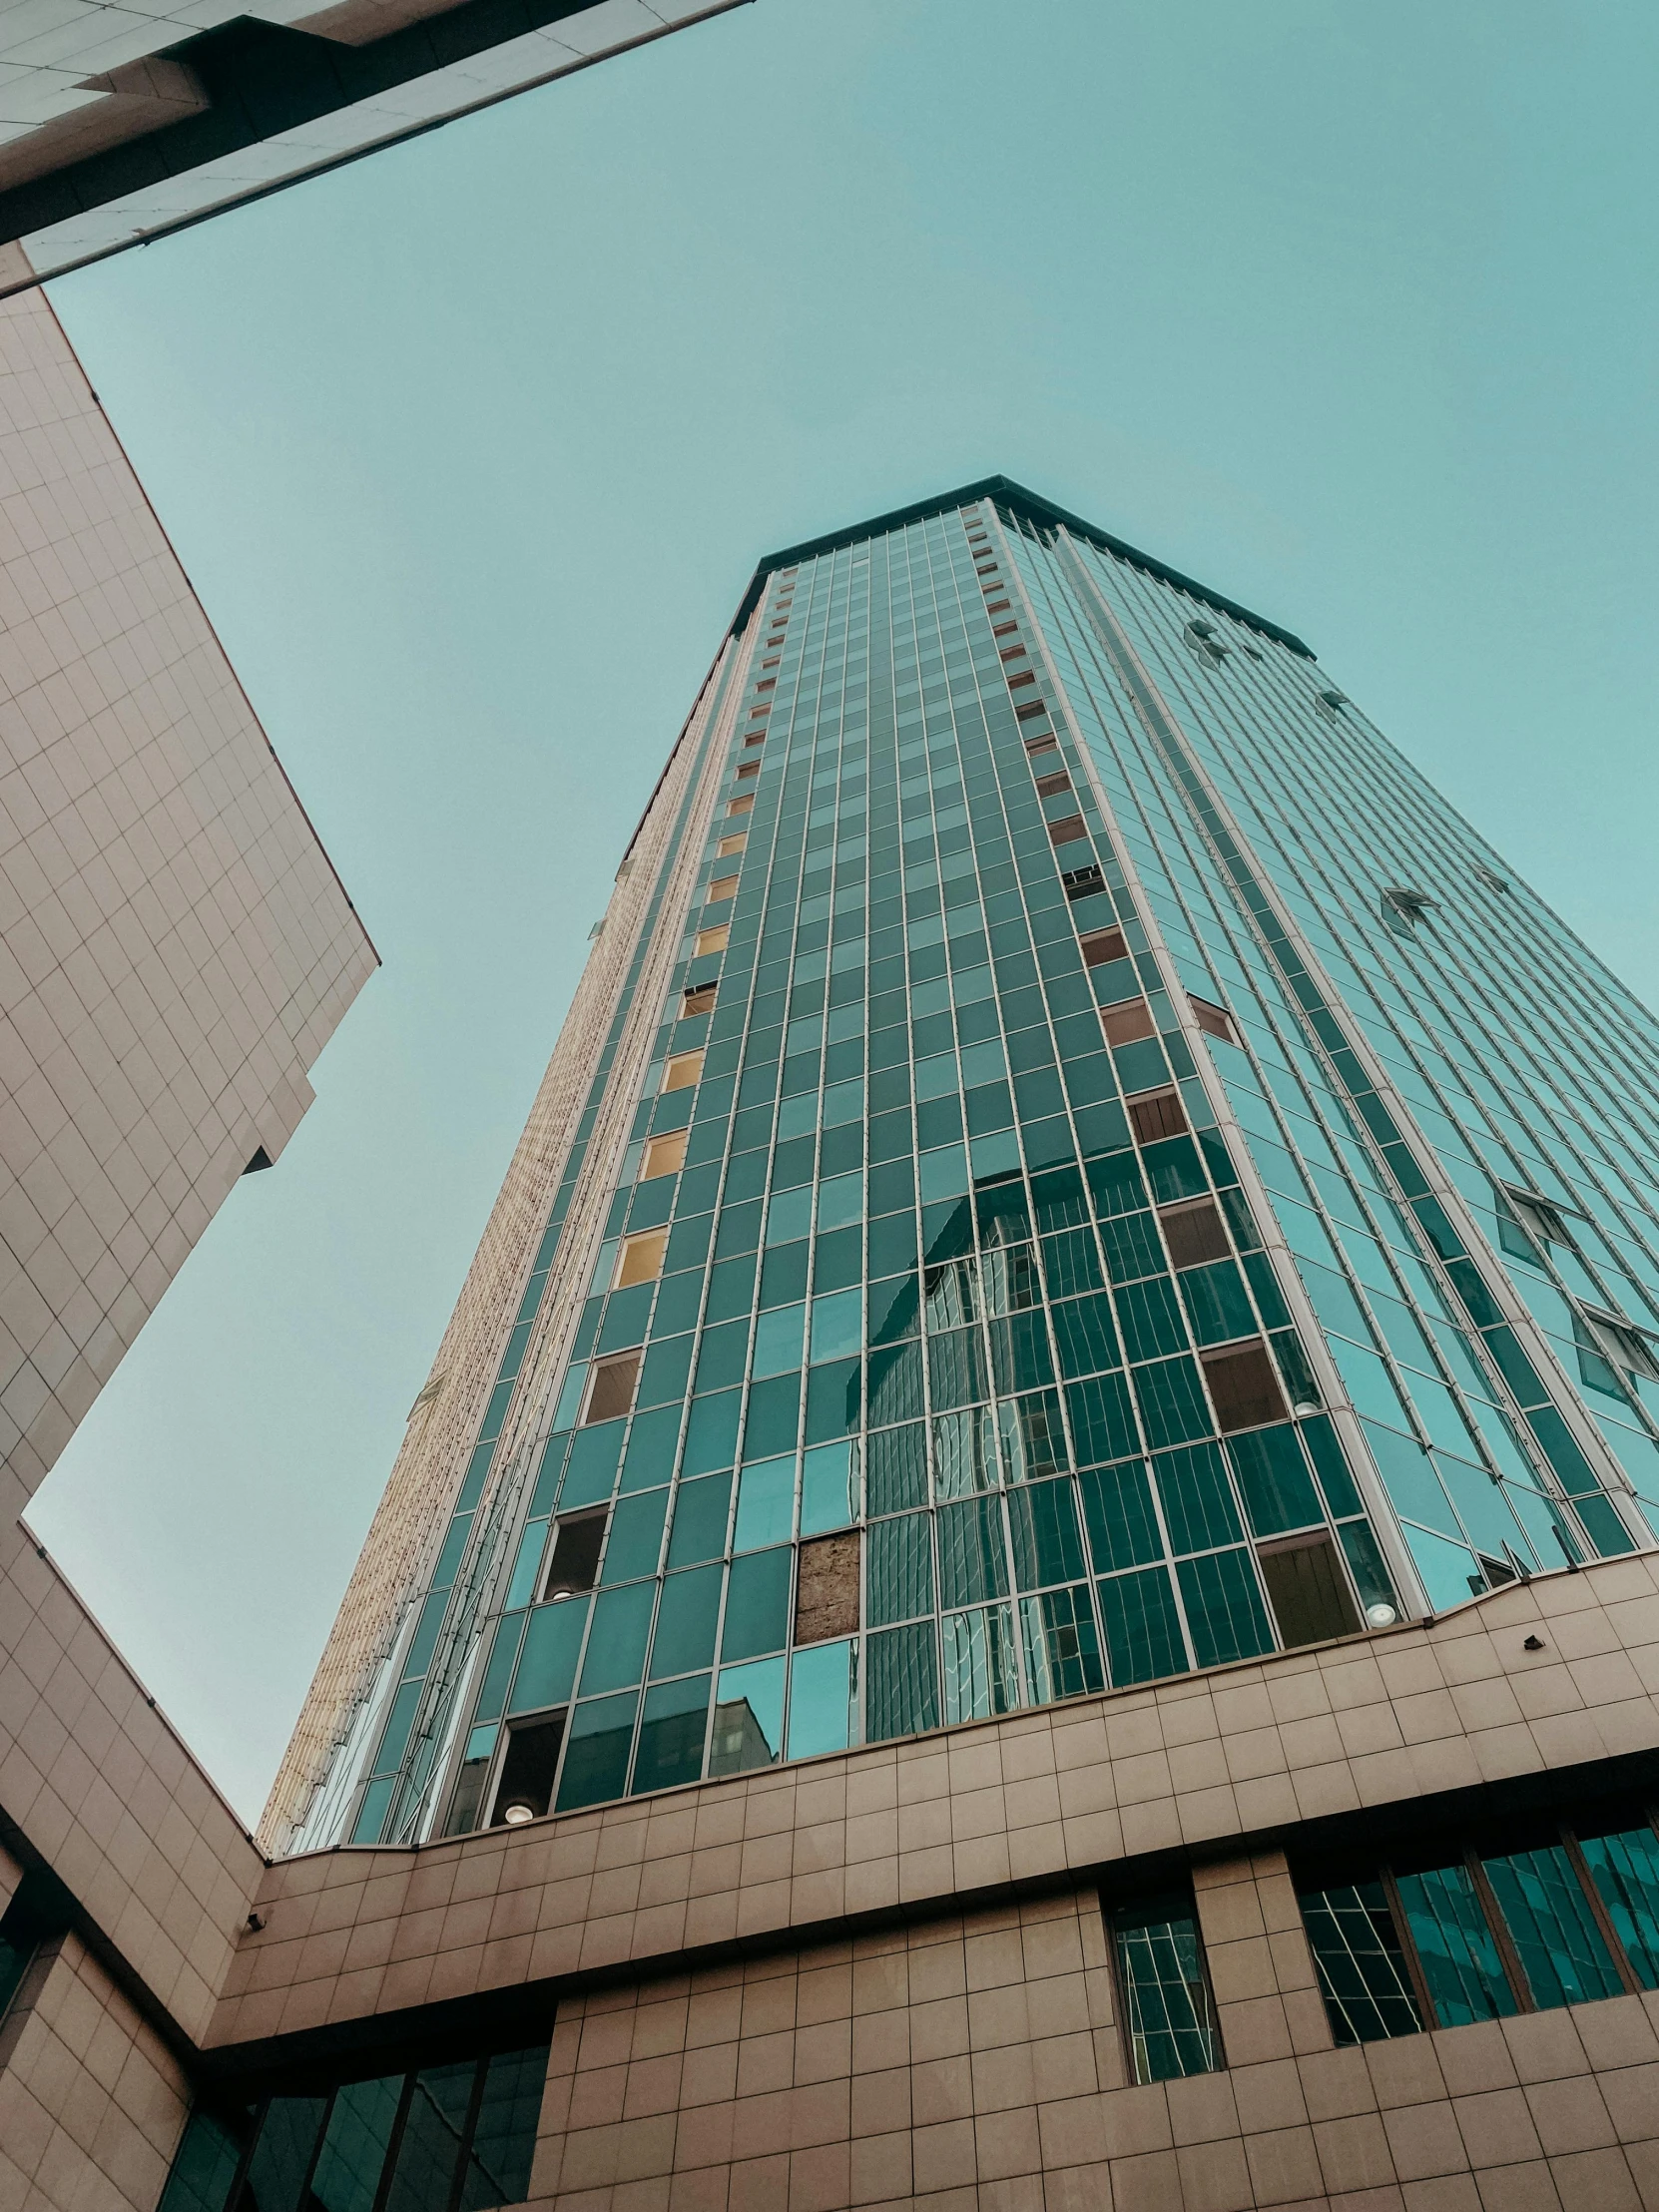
<point>469,449</point>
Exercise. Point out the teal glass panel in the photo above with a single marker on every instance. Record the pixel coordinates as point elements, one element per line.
<point>835,1401</point>
<point>1072,1265</point>
<point>1361,1967</point>
<point>1625,1871</point>
<point>1033,1440</point>
<point>721,1356</point>
<point>899,1571</point>
<point>957,1370</point>
<point>1174,1170</point>
<point>1151,1317</point>
<point>1409,1477</point>
<point>1048,1545</point>
<point>1217,1305</point>
<point>1224,1607</point>
<point>353,2151</point>
<point>902,1687</point>
<point>1447,1570</point>
<point>1117,1511</point>
<point>1553,1927</point>
<point>838,1325</point>
<point>597,1744</point>
<point>896,1475</point>
<point>504,2133</point>
<point>1335,1480</point>
<point>547,1668</point>
<point>671,1728</point>
<point>1115,1184</point>
<point>978,1671</point>
<point>972,1565</point>
<point>1455,1947</point>
<point>700,1511</point>
<point>1102,1424</point>
<point>1133,1247</point>
<point>779,1338</point>
<point>1062,1644</point>
<point>748,1717</point>
<point>1197,1500</point>
<point>204,2165</point>
<point>829,1488</point>
<point>712,1432</point>
<point>1143,1627</point>
<point>766,1506</point>
<point>687,1616</point>
<point>616,1643</point>
<point>635,1537</point>
<point>823,1684</point>
<point>1274,1482</point>
<point>1020,1357</point>
<point>649,1458</point>
<point>964,1452</point>
<point>757,1604</point>
<point>666,1375</point>
<point>1169,2023</point>
<point>590,1473</point>
<point>365,1829</point>
<point>1173,1406</point>
<point>1085,1335</point>
<point>429,2146</point>
<point>773,1416</point>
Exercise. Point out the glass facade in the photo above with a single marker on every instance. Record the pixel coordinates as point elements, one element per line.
<point>1124,1183</point>
<point>1464,1933</point>
<point>453,2137</point>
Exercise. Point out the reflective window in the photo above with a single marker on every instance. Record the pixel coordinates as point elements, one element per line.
<point>1169,2019</point>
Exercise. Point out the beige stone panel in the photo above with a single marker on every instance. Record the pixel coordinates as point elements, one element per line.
<point>175,947</point>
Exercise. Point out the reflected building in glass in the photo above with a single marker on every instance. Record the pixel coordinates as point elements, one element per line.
<point>1107,1175</point>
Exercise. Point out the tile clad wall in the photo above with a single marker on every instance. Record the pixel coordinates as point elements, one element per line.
<point>91,2100</point>
<point>178,948</point>
<point>972,2061</point>
<point>774,1855</point>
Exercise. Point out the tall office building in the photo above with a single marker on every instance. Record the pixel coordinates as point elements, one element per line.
<point>1020,1579</point>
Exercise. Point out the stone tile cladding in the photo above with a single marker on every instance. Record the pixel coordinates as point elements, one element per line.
<point>971,2063</point>
<point>412,1521</point>
<point>177,947</point>
<point>919,1825</point>
<point>106,1794</point>
<point>91,2100</point>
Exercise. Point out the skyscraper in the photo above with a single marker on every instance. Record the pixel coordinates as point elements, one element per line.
<point>1112,1177</point>
<point>1037,1492</point>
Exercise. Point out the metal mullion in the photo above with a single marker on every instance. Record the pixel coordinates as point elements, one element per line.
<point>1599,1912</point>
<point>394,2143</point>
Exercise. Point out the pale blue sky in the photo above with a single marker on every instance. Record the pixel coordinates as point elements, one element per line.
<point>469,450</point>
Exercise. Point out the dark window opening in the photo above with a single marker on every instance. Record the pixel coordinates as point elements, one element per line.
<point>1623,1344</point>
<point>1402,908</point>
<point>1101,945</point>
<point>1082,882</point>
<point>1127,1023</point>
<point>1167,2014</point>
<point>1330,701</point>
<point>1491,877</point>
<point>1307,1590</point>
<point>611,1390</point>
<point>526,1787</point>
<point>1055,780</point>
<point>1047,743</point>
<point>1214,1021</point>
<point>1200,633</point>
<point>1195,1233</point>
<point>699,1000</point>
<point>576,1549</point>
<point>1155,1116</point>
<point>1245,1386</point>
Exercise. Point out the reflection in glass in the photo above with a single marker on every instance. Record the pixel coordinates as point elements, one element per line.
<point>964,1454</point>
<point>1460,1958</point>
<point>430,2146</point>
<point>748,1717</point>
<point>354,2148</point>
<point>766,1505</point>
<point>1033,1441</point>
<point>902,1687</point>
<point>1169,2020</point>
<point>504,2134</point>
<point>1562,1952</point>
<point>1062,1649</point>
<point>671,1733</point>
<point>980,1672</point>
<point>824,1692</point>
<point>829,1488</point>
<point>277,2170</point>
<point>1625,1871</point>
<point>1361,1969</point>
